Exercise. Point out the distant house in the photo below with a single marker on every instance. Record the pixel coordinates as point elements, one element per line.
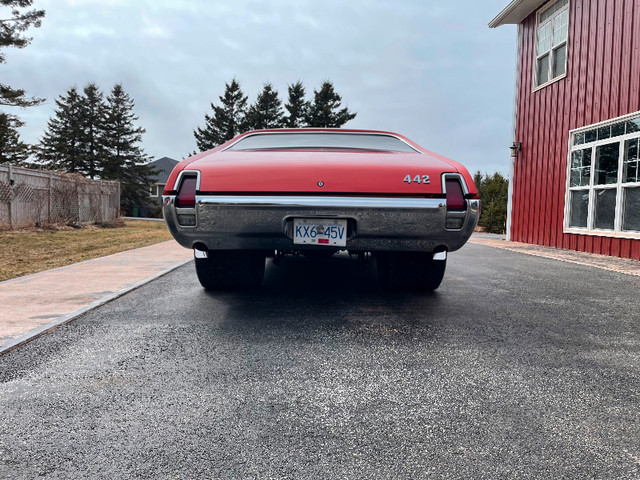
<point>163,166</point>
<point>575,170</point>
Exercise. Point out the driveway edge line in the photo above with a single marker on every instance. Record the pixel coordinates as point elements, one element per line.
<point>64,319</point>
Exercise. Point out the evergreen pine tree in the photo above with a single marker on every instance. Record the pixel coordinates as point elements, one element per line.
<point>297,106</point>
<point>227,121</point>
<point>124,159</point>
<point>12,149</point>
<point>325,110</point>
<point>493,191</point>
<point>13,24</point>
<point>62,146</point>
<point>93,126</point>
<point>267,111</point>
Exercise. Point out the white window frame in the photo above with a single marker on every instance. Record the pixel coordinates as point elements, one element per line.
<point>619,186</point>
<point>552,49</point>
<point>153,190</point>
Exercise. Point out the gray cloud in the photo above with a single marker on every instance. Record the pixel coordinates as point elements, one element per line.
<point>430,70</point>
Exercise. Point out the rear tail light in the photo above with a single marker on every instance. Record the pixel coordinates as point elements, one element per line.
<point>186,197</point>
<point>456,204</point>
<point>455,195</point>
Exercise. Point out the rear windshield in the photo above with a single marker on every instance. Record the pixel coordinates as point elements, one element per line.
<point>322,141</point>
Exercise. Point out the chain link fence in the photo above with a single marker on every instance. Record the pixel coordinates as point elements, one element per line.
<point>35,198</point>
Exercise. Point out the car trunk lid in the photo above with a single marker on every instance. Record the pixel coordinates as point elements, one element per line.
<point>322,172</point>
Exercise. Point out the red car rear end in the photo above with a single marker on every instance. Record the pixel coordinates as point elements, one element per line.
<point>274,192</point>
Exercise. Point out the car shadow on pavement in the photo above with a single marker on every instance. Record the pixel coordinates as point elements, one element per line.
<point>338,291</point>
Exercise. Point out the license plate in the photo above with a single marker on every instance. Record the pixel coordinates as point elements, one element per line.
<point>320,231</point>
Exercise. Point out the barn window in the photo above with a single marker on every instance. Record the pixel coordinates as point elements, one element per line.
<point>603,179</point>
<point>551,48</point>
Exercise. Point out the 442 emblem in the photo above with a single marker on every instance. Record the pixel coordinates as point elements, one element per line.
<point>417,179</point>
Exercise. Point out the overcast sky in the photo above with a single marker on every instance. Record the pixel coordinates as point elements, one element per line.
<point>431,70</point>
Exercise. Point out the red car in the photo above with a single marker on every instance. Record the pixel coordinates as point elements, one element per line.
<point>269,193</point>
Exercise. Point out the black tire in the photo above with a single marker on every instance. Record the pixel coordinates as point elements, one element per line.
<point>409,271</point>
<point>228,269</point>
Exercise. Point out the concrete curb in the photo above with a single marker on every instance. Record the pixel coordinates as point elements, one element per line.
<point>44,329</point>
<point>146,219</point>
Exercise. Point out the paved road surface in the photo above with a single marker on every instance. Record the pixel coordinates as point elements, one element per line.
<point>518,367</point>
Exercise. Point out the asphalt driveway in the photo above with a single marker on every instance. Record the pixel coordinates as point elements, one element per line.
<point>517,367</point>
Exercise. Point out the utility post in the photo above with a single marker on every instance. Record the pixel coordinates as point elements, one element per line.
<point>11,182</point>
<point>49,187</point>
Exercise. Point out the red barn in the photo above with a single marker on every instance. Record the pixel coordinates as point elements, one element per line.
<point>575,171</point>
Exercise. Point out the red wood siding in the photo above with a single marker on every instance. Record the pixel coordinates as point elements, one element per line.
<point>602,82</point>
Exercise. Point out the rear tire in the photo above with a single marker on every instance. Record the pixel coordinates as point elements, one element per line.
<point>409,271</point>
<point>227,269</point>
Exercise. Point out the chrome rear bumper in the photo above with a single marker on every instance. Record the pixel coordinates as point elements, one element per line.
<point>266,222</point>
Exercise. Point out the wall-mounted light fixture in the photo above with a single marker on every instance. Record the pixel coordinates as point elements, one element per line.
<point>515,148</point>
